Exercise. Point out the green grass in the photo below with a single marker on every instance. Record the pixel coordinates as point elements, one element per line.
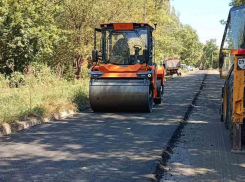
<point>41,97</point>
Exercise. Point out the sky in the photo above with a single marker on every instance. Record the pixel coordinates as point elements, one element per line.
<point>203,16</point>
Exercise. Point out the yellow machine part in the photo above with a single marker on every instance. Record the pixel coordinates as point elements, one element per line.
<point>238,104</point>
<point>238,93</point>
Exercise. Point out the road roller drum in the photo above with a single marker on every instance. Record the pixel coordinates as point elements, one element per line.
<point>124,75</point>
<point>120,95</point>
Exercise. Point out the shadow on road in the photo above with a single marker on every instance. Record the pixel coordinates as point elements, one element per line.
<point>99,147</point>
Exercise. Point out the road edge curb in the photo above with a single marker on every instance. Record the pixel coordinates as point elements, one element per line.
<point>12,128</point>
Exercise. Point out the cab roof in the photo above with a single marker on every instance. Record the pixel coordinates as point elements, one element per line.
<point>124,26</point>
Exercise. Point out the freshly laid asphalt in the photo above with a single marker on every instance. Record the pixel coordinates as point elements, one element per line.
<point>99,147</point>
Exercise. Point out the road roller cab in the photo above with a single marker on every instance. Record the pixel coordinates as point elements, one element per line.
<point>124,76</point>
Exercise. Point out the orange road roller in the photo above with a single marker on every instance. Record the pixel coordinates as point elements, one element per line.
<point>124,75</point>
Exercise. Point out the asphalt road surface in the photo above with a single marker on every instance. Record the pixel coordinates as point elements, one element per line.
<point>203,152</point>
<point>98,147</point>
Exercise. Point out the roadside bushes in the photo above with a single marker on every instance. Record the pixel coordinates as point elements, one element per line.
<point>16,79</point>
<point>3,82</point>
<point>41,94</point>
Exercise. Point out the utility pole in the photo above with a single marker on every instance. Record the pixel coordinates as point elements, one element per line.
<point>212,59</point>
<point>144,14</point>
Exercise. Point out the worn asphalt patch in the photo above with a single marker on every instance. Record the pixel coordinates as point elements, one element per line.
<point>168,151</point>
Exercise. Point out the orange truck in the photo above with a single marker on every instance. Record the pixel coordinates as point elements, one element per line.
<point>124,75</point>
<point>173,66</point>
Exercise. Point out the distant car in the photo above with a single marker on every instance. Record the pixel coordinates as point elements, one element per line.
<point>191,68</point>
<point>183,66</point>
<point>188,68</point>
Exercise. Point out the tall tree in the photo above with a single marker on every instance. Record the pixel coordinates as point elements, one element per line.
<point>192,47</point>
<point>210,57</point>
<point>27,32</point>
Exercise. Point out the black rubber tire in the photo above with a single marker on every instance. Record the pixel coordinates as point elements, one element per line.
<point>158,100</point>
<point>228,120</point>
<point>162,92</point>
<point>221,115</point>
<point>150,108</point>
<point>222,106</point>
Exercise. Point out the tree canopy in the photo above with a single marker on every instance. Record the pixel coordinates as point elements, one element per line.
<point>28,31</point>
<point>210,57</point>
<point>237,2</point>
<point>58,32</point>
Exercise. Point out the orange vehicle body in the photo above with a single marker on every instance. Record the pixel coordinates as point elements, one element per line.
<point>117,71</point>
<point>125,76</point>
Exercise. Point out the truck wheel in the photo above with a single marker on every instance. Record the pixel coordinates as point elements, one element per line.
<point>228,118</point>
<point>222,106</point>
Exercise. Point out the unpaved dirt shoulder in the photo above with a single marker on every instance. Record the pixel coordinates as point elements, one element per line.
<point>203,151</point>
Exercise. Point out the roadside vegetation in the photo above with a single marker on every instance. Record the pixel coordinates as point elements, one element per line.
<point>45,49</point>
<point>40,93</point>
<point>210,55</point>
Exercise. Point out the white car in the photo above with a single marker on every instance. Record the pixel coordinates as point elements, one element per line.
<point>191,68</point>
